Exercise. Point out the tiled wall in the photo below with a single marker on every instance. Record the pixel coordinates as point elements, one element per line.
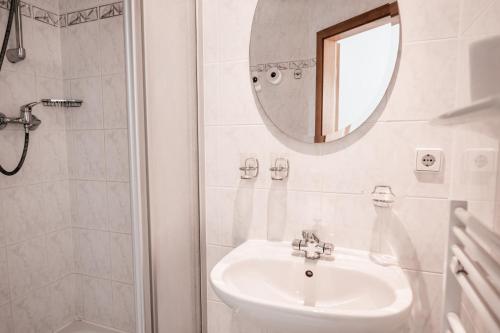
<point>329,185</point>
<point>65,243</point>
<point>36,254</point>
<point>94,70</point>
<point>480,187</point>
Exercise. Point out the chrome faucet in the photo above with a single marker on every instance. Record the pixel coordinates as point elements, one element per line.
<point>312,246</point>
<point>26,118</point>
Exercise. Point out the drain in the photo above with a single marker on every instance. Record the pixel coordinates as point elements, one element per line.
<point>309,274</point>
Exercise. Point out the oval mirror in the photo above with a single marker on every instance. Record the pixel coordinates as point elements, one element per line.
<point>320,68</point>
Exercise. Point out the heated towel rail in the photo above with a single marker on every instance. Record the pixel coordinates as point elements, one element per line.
<point>472,269</point>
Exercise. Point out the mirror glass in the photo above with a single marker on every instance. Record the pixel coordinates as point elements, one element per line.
<point>320,68</point>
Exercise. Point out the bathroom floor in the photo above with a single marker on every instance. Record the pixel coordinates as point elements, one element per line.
<point>84,327</point>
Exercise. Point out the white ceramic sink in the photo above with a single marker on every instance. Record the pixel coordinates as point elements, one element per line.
<point>347,293</point>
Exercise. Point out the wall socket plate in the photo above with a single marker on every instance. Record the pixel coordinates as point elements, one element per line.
<point>428,160</point>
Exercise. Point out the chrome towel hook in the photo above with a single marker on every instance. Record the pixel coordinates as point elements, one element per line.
<point>250,168</point>
<point>279,171</point>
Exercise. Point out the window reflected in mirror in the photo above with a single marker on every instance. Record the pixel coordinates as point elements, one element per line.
<point>356,62</point>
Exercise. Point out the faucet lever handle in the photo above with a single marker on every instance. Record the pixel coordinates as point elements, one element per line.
<point>310,235</point>
<point>327,248</point>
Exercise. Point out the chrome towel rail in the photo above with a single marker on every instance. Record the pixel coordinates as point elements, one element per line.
<point>486,235</point>
<point>473,269</point>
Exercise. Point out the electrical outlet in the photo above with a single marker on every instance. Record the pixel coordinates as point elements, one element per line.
<point>428,160</point>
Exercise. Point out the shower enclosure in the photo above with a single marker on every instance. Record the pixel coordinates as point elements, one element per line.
<point>66,249</point>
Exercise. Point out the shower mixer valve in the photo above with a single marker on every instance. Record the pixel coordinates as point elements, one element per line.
<point>26,118</point>
<point>30,123</point>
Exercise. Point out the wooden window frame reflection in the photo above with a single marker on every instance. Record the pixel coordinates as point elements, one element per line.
<point>342,30</point>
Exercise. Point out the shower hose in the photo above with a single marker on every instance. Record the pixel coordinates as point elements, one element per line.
<point>13,4</point>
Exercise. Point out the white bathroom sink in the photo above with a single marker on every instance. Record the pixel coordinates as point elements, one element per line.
<point>347,293</point>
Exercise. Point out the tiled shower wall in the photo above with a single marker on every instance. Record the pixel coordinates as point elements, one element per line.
<point>94,70</point>
<point>329,185</point>
<point>36,254</point>
<point>65,244</point>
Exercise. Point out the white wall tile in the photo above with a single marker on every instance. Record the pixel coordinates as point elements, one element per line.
<point>31,314</point>
<point>487,23</point>
<point>118,207</point>
<point>240,214</point>
<point>112,45</point>
<point>62,302</point>
<point>2,229</point>
<point>45,52</point>
<point>97,300</point>
<point>60,260</point>
<point>427,20</point>
<point>23,221</point>
<point>57,205</point>
<point>117,168</point>
<point>92,252</point>
<point>88,203</point>
<point>302,211</point>
<point>6,324</point>
<point>66,6</point>
<point>417,233</point>
<point>426,311</point>
<point>114,101</point>
<point>234,19</point>
<point>51,155</point>
<point>27,266</point>
<point>425,82</point>
<point>349,221</point>
<point>86,155</point>
<point>4,281</point>
<point>210,31</point>
<point>80,50</point>
<point>471,10</point>
<point>121,258</point>
<point>123,313</point>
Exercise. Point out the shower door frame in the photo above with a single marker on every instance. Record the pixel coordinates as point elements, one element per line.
<point>132,12</point>
<point>145,273</point>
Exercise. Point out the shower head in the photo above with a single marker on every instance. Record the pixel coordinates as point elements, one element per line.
<point>66,103</point>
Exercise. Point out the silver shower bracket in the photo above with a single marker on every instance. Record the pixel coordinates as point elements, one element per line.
<point>18,53</point>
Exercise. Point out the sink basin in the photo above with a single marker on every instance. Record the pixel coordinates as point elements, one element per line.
<point>347,292</point>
